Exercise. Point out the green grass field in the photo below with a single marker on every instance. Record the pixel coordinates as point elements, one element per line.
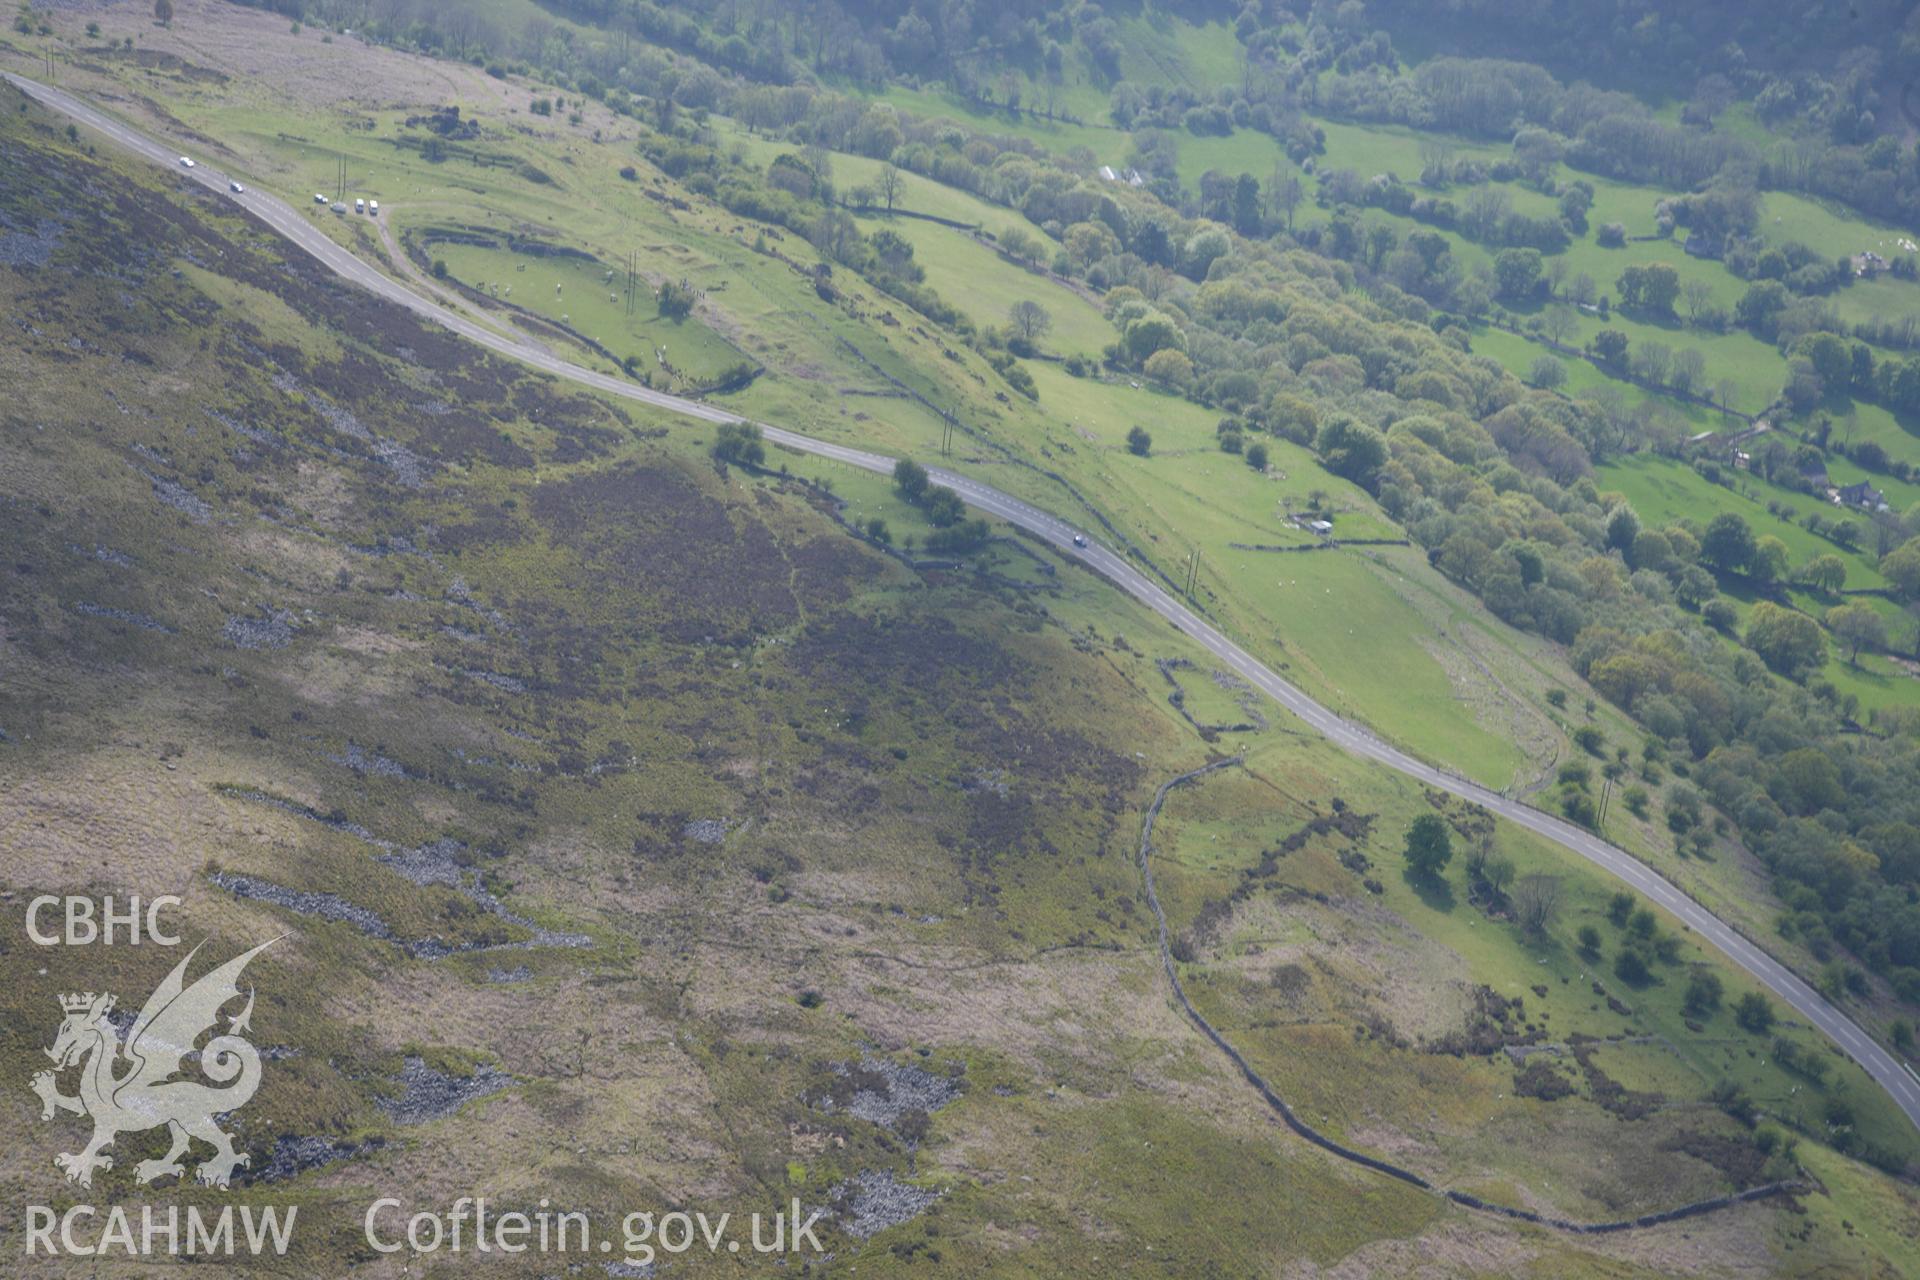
<point>1338,622</point>
<point>980,281</point>
<point>1878,680</point>
<point>1754,366</point>
<point>577,294</point>
<point>1858,422</point>
<point>1095,134</point>
<point>1171,52</point>
<point>1665,491</point>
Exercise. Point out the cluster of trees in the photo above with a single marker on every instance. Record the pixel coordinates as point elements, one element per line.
<point>1532,900</point>
<point>1158,107</point>
<point>1662,45</point>
<point>1841,154</point>
<point>1770,312</point>
<point>1651,288</point>
<point>1644,947</point>
<point>1895,383</point>
<point>1338,60</point>
<point>739,443</point>
<point>1715,47</point>
<point>1802,270</point>
<point>1612,134</point>
<point>1656,365</point>
<point>1503,506</point>
<point>1524,273</point>
<point>1485,214</point>
<point>1823,364</point>
<point>1399,416</point>
<point>953,533</point>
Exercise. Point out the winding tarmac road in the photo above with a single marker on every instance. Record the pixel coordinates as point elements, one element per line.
<point>288,222</point>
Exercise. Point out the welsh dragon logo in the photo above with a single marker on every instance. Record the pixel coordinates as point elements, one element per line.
<point>129,1088</point>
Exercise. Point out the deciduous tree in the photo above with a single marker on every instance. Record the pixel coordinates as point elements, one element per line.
<point>1351,449</point>
<point>1857,627</point>
<point>910,479</point>
<point>1826,574</point>
<point>1704,990</point>
<point>1518,271</point>
<point>1029,319</point>
<point>1902,568</point>
<point>1754,1012</point>
<point>1547,373</point>
<point>1728,544</point>
<point>1791,643</point>
<point>1536,899</point>
<point>1429,845</point>
<point>892,184</point>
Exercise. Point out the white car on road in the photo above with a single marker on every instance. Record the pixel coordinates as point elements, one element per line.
<point>237,188</point>
<point>186,162</point>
